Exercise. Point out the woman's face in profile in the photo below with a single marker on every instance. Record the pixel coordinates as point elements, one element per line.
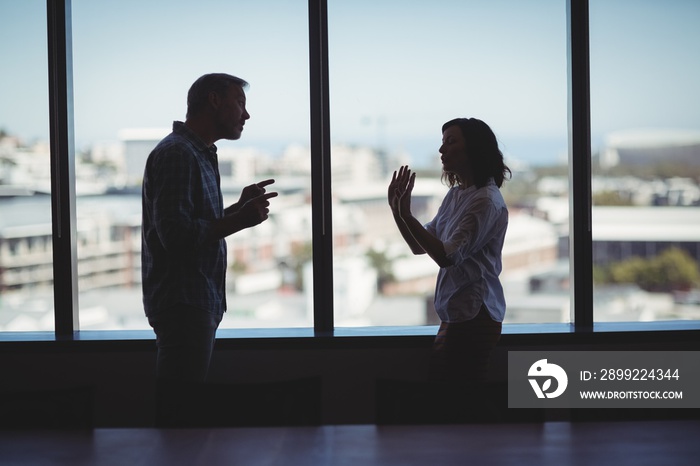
<point>454,152</point>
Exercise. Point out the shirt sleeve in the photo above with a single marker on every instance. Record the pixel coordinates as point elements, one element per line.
<point>176,183</point>
<point>479,220</point>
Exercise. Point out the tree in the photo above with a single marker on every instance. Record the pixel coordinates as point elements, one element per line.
<point>611,198</point>
<point>673,269</point>
<point>676,270</point>
<point>382,265</point>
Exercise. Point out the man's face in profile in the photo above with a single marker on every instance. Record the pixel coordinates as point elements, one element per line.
<point>232,114</point>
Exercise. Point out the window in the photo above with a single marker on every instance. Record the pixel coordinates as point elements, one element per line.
<point>413,67</point>
<point>646,147</point>
<point>26,273</point>
<point>395,74</point>
<point>134,63</point>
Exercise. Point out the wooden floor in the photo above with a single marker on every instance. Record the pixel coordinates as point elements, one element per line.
<point>667,443</point>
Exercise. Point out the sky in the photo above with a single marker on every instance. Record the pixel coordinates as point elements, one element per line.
<point>398,68</point>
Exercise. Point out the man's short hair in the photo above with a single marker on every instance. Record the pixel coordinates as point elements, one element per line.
<point>198,95</point>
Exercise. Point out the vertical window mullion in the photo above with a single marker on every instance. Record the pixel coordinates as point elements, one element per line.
<point>580,239</point>
<point>320,167</point>
<point>62,167</point>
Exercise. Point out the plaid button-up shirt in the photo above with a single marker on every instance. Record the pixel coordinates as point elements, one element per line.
<point>181,197</point>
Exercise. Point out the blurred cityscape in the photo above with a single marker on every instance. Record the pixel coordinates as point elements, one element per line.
<point>646,214</point>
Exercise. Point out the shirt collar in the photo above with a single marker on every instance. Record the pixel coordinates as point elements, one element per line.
<point>473,187</point>
<point>181,128</point>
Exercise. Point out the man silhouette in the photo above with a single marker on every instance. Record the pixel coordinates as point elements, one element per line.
<point>185,225</point>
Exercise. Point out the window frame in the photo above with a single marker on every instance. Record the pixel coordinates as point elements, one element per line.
<point>64,200</point>
<point>61,134</point>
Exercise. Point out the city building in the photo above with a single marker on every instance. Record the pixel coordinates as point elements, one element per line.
<point>620,233</point>
<point>651,147</point>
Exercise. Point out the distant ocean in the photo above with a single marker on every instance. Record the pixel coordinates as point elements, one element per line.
<point>536,152</point>
<point>424,151</point>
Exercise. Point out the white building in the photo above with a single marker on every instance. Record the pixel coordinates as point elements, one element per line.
<point>650,146</point>
<point>622,232</point>
<point>138,143</point>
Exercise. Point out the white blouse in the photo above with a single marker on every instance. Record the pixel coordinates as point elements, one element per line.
<point>471,223</point>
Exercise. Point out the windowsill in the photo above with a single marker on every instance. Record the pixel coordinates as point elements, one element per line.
<point>357,333</point>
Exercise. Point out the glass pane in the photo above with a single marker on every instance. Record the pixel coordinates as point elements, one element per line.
<point>26,257</point>
<point>646,148</point>
<point>398,71</point>
<point>134,63</point>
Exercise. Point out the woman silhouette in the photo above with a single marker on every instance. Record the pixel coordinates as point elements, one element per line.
<point>465,239</point>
